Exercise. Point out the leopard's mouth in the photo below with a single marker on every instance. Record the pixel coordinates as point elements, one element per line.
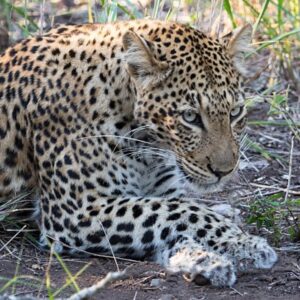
<point>200,184</point>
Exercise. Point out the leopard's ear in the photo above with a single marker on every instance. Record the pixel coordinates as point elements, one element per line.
<point>237,43</point>
<point>141,63</point>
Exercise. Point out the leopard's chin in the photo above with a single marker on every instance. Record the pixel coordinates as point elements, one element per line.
<point>197,186</point>
<point>204,188</point>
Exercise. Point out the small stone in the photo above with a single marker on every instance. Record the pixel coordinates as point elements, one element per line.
<point>36,267</point>
<point>155,282</point>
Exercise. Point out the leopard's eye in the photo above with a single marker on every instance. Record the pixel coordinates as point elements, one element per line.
<point>191,117</point>
<point>236,112</point>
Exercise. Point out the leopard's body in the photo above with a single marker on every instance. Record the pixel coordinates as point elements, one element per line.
<point>115,126</point>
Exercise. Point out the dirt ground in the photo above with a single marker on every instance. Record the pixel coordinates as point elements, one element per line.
<point>150,281</point>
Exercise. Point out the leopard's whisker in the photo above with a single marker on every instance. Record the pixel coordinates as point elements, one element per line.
<point>113,136</point>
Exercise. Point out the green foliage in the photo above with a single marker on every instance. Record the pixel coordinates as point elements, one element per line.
<point>28,26</point>
<point>281,25</point>
<point>263,213</point>
<point>275,214</point>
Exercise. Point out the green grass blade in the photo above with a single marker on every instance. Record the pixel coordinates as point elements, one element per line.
<point>170,14</point>
<point>133,8</point>
<point>21,12</point>
<point>68,281</point>
<point>254,11</point>
<point>279,13</point>
<point>283,9</point>
<point>261,150</point>
<point>90,11</point>
<point>273,123</point>
<point>21,279</point>
<point>157,5</point>
<point>71,277</point>
<point>261,14</point>
<point>126,11</point>
<point>8,284</point>
<point>228,9</point>
<point>278,38</point>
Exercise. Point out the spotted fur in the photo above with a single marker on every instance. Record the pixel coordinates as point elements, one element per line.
<point>118,127</point>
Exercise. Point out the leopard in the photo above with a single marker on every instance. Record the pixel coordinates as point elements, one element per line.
<point>120,128</point>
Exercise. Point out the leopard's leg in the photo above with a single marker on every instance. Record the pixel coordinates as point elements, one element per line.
<point>174,232</point>
<point>17,161</point>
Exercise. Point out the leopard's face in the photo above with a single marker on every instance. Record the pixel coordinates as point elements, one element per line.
<point>200,125</point>
<point>194,106</point>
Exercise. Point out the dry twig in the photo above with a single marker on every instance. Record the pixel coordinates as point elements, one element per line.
<point>90,291</point>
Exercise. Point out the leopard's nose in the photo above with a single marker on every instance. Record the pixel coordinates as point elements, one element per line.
<point>218,173</point>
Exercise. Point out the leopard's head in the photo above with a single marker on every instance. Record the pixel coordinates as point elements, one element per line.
<point>190,93</point>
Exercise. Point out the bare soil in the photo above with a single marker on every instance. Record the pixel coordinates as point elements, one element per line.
<point>150,281</point>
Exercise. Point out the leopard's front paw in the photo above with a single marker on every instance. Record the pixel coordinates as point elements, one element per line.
<point>220,273</point>
<point>264,256</point>
<point>217,269</point>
